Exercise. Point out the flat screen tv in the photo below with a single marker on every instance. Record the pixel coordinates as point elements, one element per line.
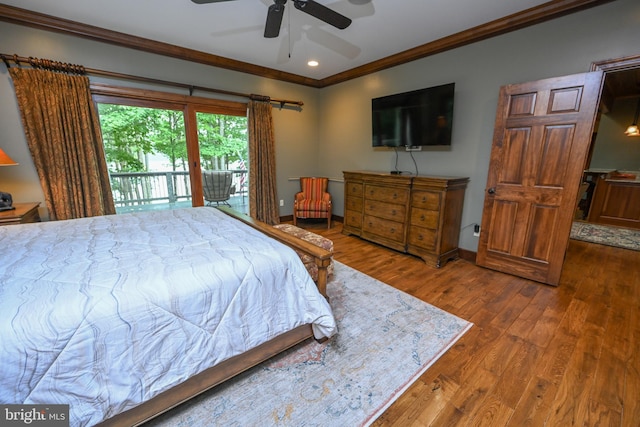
<point>414,119</point>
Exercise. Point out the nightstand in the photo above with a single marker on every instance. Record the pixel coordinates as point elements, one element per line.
<point>22,214</point>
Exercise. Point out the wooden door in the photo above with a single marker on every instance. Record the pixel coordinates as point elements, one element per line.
<point>540,144</point>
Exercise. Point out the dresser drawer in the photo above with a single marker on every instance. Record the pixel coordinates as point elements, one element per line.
<point>424,218</point>
<point>354,189</point>
<point>390,211</point>
<point>424,238</point>
<point>391,230</point>
<point>426,200</point>
<point>354,204</point>
<point>353,218</point>
<point>386,194</point>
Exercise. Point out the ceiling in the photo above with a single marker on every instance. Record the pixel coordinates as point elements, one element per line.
<point>234,29</point>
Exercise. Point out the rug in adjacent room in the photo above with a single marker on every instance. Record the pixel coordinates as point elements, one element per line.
<point>386,340</point>
<point>605,235</point>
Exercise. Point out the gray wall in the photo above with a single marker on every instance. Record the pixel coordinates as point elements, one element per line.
<point>563,46</point>
<point>333,132</point>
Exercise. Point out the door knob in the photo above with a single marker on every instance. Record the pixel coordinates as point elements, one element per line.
<point>492,190</point>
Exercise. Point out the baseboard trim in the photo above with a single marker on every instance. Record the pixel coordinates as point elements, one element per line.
<point>467,255</point>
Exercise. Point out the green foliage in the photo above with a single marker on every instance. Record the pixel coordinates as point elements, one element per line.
<point>132,133</point>
<point>221,138</point>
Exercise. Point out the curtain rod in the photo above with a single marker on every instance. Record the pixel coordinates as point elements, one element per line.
<point>74,68</point>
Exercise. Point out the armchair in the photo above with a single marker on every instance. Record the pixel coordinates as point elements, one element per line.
<point>313,201</point>
<point>217,186</point>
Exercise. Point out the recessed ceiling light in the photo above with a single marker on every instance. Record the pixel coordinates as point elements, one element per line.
<point>313,63</point>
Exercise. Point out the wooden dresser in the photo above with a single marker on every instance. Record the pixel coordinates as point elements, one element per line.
<point>419,215</point>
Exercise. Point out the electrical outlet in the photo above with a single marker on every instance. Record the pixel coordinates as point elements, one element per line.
<point>281,202</point>
<point>476,230</point>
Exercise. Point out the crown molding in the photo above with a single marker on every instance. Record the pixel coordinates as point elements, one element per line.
<point>532,16</point>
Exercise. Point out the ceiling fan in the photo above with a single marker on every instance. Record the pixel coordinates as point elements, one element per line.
<point>276,12</point>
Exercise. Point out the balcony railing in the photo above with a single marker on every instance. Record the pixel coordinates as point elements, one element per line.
<point>139,190</point>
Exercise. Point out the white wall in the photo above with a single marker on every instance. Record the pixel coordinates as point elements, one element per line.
<point>563,46</point>
<point>333,132</point>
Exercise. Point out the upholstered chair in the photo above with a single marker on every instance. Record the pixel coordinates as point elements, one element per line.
<point>217,186</point>
<point>313,201</point>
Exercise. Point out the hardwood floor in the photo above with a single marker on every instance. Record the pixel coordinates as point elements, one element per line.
<point>537,355</point>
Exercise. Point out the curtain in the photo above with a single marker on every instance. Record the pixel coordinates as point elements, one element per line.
<point>263,204</point>
<point>63,133</point>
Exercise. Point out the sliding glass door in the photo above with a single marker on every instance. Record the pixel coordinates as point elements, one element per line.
<point>222,144</point>
<point>146,154</point>
<point>157,149</point>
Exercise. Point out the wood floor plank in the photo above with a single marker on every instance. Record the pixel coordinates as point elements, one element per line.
<point>557,357</point>
<point>517,375</point>
<point>473,392</point>
<point>630,401</point>
<point>571,405</point>
<point>429,402</point>
<point>536,355</point>
<point>493,413</point>
<point>535,403</point>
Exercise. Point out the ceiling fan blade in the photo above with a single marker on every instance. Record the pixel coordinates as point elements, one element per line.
<point>323,13</point>
<point>274,19</point>
<point>208,1</point>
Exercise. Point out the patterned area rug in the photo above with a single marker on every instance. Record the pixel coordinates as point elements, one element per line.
<point>604,235</point>
<point>386,340</point>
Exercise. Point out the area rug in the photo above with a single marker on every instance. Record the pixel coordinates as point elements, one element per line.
<point>604,235</point>
<point>386,340</point>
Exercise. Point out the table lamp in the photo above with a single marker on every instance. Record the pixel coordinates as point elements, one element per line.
<point>5,198</point>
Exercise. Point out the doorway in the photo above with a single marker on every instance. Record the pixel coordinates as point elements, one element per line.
<point>529,204</point>
<point>611,151</point>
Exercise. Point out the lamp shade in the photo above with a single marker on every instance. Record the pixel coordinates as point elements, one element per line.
<point>633,130</point>
<point>6,160</point>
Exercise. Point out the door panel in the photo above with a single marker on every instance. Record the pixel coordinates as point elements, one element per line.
<point>541,140</point>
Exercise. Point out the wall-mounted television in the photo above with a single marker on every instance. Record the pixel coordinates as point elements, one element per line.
<point>418,118</point>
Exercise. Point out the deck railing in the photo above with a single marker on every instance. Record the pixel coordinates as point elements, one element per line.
<point>147,188</point>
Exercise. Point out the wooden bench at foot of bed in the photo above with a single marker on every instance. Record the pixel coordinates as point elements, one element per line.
<point>315,239</point>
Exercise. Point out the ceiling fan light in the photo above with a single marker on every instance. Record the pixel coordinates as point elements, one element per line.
<point>313,63</point>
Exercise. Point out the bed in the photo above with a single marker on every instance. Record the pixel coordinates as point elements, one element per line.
<point>125,316</point>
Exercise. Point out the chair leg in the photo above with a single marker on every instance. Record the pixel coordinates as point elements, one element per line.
<point>294,218</point>
<point>329,222</point>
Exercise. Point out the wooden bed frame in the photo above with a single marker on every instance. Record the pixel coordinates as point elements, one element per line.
<point>231,367</point>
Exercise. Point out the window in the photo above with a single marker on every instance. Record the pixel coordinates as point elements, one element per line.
<point>157,145</point>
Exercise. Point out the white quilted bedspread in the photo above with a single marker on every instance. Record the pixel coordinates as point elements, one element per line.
<point>104,313</point>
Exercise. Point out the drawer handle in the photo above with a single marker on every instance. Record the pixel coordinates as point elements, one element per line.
<point>393,230</point>
<point>419,236</point>
<point>395,195</point>
<point>422,218</point>
<point>393,212</point>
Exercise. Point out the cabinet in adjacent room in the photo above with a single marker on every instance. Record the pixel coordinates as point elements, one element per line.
<point>420,215</point>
